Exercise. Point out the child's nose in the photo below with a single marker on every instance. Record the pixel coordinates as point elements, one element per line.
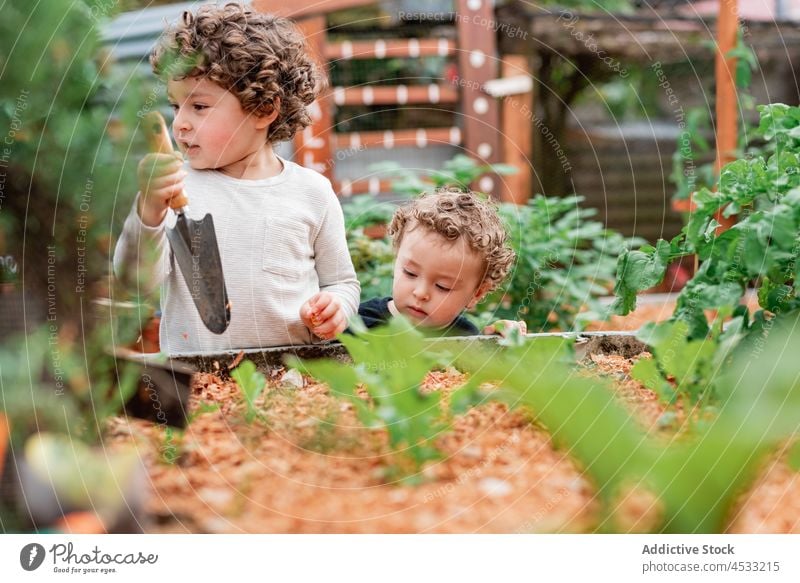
<point>421,292</point>
<point>181,123</point>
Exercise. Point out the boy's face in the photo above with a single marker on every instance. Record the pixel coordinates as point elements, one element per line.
<point>210,127</point>
<point>435,279</point>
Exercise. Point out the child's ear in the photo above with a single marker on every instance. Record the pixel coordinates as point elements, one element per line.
<point>264,121</point>
<point>482,290</point>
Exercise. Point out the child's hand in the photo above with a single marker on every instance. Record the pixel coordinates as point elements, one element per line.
<point>323,315</point>
<point>504,327</point>
<point>160,178</point>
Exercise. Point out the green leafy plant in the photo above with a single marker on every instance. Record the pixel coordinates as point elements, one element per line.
<point>50,383</point>
<point>761,248</point>
<point>693,163</point>
<point>565,262</point>
<point>390,363</point>
<point>169,450</point>
<point>694,480</point>
<point>459,172</point>
<point>365,210</point>
<point>682,367</point>
<point>252,383</point>
<point>373,260</point>
<point>565,259</point>
<point>64,163</point>
<point>794,456</point>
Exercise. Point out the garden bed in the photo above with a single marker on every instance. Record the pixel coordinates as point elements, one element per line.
<point>312,467</point>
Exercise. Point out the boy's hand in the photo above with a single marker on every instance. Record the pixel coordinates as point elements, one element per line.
<point>323,315</point>
<point>160,178</point>
<point>504,327</point>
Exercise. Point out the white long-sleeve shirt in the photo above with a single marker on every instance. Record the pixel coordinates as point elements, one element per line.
<point>281,239</point>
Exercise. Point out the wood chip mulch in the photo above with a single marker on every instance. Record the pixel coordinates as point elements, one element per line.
<point>316,469</point>
<point>310,466</point>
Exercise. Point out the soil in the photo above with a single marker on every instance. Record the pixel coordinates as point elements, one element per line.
<point>311,467</point>
<point>317,470</point>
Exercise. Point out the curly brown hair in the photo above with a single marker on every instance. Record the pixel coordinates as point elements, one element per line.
<point>455,214</point>
<point>260,58</point>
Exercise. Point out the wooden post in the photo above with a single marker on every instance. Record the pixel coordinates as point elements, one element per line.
<point>517,135</point>
<point>727,102</point>
<point>313,144</point>
<point>477,64</point>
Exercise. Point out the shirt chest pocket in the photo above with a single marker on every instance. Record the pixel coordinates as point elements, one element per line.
<point>287,249</point>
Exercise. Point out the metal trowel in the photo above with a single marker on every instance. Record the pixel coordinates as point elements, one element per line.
<point>194,244</point>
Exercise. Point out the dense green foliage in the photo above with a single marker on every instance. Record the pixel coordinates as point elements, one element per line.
<point>459,172</point>
<point>693,479</point>
<point>252,383</point>
<point>391,363</point>
<point>565,262</point>
<point>565,258</point>
<point>373,260</point>
<point>61,161</point>
<point>761,248</point>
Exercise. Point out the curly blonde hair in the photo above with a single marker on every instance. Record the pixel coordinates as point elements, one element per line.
<point>455,214</point>
<point>258,57</point>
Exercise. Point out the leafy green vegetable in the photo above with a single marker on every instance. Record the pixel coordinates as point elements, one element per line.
<point>391,363</point>
<point>762,247</point>
<point>794,456</point>
<point>639,270</point>
<point>688,363</point>
<point>251,382</point>
<point>373,260</point>
<point>695,479</point>
<point>565,262</point>
<point>363,211</point>
<point>459,172</point>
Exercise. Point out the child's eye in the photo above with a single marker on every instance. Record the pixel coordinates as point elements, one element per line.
<point>443,288</point>
<point>409,274</point>
<point>199,107</point>
<point>174,106</point>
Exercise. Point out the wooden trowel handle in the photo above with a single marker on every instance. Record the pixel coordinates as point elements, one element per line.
<point>158,142</point>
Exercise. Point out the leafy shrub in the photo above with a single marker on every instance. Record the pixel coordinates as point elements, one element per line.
<point>373,260</point>
<point>459,172</point>
<point>63,161</point>
<point>365,210</point>
<point>391,362</point>
<point>686,368</point>
<point>252,383</point>
<point>565,262</point>
<point>694,480</point>
<point>761,248</point>
<point>693,163</point>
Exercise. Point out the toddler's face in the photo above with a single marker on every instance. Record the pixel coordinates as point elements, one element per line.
<point>435,279</point>
<point>211,128</point>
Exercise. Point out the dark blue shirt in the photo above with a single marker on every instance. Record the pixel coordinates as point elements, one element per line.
<point>375,312</point>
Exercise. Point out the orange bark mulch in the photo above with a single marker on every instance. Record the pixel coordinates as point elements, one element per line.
<point>310,466</point>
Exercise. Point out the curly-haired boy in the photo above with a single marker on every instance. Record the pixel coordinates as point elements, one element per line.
<point>451,251</point>
<point>239,81</point>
